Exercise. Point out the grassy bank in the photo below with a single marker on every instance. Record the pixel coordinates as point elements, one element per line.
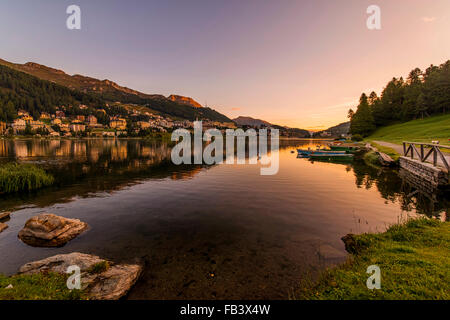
<point>389,151</point>
<point>371,158</point>
<point>22,177</point>
<point>51,286</point>
<point>426,130</point>
<point>414,259</point>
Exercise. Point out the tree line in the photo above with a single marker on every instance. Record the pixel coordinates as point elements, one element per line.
<point>422,94</point>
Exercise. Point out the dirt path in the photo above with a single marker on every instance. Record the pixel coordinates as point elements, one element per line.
<point>399,149</point>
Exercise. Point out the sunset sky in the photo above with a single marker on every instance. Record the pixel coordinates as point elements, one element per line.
<point>295,63</point>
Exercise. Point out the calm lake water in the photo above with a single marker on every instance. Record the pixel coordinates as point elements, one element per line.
<point>206,232</point>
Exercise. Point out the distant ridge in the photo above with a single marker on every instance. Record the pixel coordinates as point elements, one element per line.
<point>249,121</point>
<point>286,131</point>
<point>185,100</point>
<point>337,131</point>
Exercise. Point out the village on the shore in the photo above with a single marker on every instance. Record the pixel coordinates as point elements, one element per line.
<point>134,123</point>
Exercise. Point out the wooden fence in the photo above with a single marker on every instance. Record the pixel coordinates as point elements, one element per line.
<point>425,151</point>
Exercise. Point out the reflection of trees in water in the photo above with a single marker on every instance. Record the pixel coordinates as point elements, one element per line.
<point>83,167</point>
<point>396,186</point>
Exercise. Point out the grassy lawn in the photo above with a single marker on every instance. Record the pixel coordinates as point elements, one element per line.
<point>426,130</point>
<point>389,151</point>
<point>414,259</point>
<point>51,286</point>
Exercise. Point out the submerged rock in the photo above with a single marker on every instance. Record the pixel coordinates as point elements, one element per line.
<point>100,279</point>
<point>351,246</point>
<point>49,230</point>
<point>3,226</point>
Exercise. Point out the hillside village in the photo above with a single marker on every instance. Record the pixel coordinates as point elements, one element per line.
<point>130,123</point>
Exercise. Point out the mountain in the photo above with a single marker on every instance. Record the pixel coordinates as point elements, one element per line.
<point>109,91</point>
<point>337,131</point>
<point>249,121</point>
<point>185,100</point>
<point>285,131</point>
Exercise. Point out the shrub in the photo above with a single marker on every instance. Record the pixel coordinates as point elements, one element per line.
<point>357,137</point>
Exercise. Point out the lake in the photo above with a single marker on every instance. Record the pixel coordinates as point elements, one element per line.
<point>206,232</point>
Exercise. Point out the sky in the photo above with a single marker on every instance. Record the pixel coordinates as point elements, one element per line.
<point>290,62</point>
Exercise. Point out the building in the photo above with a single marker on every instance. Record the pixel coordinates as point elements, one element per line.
<point>120,124</point>
<point>143,125</point>
<point>81,118</point>
<point>44,115</point>
<point>36,124</point>
<point>27,118</point>
<point>2,127</point>
<point>19,125</point>
<point>109,134</point>
<point>56,122</point>
<point>64,127</point>
<point>60,114</point>
<point>77,127</point>
<point>54,134</point>
<point>22,113</point>
<point>92,120</point>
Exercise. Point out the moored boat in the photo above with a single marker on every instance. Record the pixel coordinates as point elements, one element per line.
<point>338,157</point>
<point>319,151</point>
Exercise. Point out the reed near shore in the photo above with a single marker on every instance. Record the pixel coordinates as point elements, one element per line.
<point>16,177</point>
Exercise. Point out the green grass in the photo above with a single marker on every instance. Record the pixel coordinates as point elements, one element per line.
<point>426,130</point>
<point>23,177</point>
<point>50,286</point>
<point>371,159</point>
<point>389,151</point>
<point>99,267</point>
<point>414,259</point>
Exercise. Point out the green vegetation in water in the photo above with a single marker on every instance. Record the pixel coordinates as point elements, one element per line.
<point>99,267</point>
<point>50,286</point>
<point>371,158</point>
<point>23,177</point>
<point>421,130</point>
<point>414,259</point>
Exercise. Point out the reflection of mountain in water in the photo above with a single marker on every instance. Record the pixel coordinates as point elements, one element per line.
<point>83,167</point>
<point>399,187</point>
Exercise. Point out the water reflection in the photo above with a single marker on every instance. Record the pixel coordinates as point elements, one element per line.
<point>258,235</point>
<point>398,186</point>
<point>98,165</point>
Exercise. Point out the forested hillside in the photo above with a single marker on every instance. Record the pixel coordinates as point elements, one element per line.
<point>421,95</point>
<point>103,91</point>
<point>22,91</point>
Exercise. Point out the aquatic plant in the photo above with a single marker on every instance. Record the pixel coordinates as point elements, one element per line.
<point>16,177</point>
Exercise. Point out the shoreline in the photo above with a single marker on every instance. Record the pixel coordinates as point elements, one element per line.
<point>413,259</point>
